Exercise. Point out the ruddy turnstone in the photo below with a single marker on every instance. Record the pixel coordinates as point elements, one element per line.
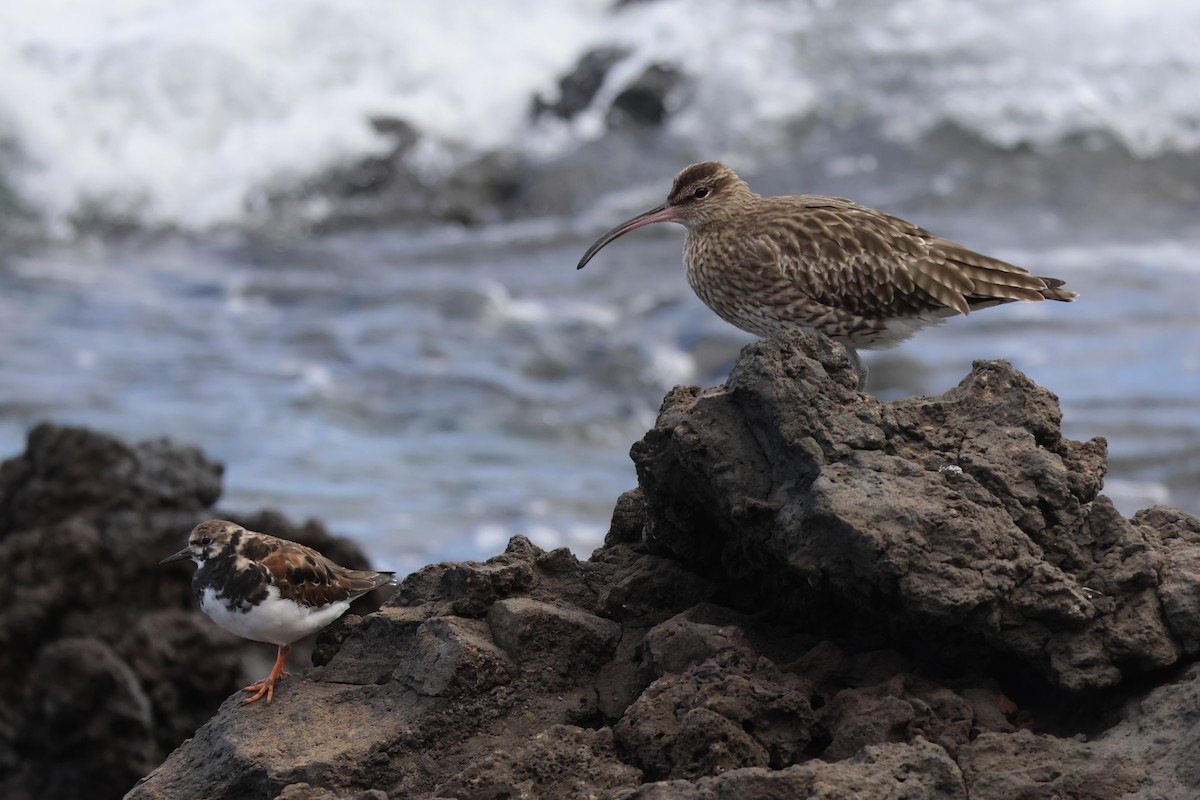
<point>268,589</point>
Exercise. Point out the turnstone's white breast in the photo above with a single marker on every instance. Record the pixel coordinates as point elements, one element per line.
<point>275,620</point>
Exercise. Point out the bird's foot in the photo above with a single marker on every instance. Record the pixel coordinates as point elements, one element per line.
<point>266,686</point>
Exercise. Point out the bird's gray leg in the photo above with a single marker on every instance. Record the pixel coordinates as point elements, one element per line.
<point>859,367</point>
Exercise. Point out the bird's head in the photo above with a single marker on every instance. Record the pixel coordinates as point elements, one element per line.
<point>207,540</point>
<point>702,193</point>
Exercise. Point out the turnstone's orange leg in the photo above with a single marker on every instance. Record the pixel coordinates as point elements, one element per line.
<point>267,685</point>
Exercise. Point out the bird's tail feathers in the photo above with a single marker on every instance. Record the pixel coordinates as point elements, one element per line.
<point>363,581</point>
<point>1053,291</point>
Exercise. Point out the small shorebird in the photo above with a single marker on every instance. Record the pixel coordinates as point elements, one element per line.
<point>861,277</point>
<point>268,589</point>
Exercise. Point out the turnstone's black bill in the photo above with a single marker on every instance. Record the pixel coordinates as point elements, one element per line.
<point>268,589</point>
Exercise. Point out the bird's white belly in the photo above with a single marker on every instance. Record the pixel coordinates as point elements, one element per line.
<point>274,620</point>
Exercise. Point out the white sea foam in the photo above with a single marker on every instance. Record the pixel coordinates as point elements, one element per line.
<point>187,114</point>
<point>191,114</point>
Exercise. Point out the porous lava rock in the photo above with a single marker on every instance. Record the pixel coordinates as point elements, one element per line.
<point>811,594</point>
<point>106,665</point>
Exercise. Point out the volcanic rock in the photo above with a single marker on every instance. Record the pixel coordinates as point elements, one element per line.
<point>106,665</point>
<point>810,594</point>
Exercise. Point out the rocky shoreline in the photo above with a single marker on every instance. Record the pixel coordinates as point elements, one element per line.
<point>811,593</point>
<point>105,664</point>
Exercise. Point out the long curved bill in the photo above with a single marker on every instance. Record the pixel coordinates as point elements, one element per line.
<point>663,213</point>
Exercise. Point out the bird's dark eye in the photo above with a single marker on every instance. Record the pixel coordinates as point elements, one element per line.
<point>206,541</point>
<point>700,193</point>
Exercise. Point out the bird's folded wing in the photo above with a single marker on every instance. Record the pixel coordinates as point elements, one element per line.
<point>307,577</point>
<point>868,263</point>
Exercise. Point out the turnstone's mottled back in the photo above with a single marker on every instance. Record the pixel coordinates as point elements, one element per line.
<point>268,589</point>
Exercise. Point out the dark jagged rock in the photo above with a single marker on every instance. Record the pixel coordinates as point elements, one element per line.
<point>578,88</point>
<point>917,771</point>
<point>562,762</point>
<point>91,719</point>
<point>645,101</point>
<point>105,663</point>
<point>377,190</point>
<point>811,594</point>
<point>389,187</point>
<point>968,517</point>
<point>648,100</point>
<point>73,473</point>
<point>733,710</point>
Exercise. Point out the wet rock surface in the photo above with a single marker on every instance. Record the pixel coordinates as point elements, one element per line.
<point>471,188</point>
<point>649,99</point>
<point>811,594</point>
<point>105,663</point>
<point>577,89</point>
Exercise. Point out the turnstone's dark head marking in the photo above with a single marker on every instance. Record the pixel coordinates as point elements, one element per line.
<point>268,589</point>
<point>209,540</point>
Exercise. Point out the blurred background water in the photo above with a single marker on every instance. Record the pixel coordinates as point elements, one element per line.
<point>332,242</point>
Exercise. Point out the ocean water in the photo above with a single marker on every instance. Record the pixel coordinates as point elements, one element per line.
<point>432,389</point>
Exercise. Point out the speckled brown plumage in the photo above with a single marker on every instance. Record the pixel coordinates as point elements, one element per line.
<point>268,589</point>
<point>242,564</point>
<point>860,276</point>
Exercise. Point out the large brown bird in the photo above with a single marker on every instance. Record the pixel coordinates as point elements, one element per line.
<point>860,276</point>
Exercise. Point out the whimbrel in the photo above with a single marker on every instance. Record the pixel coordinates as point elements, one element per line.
<point>860,276</point>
